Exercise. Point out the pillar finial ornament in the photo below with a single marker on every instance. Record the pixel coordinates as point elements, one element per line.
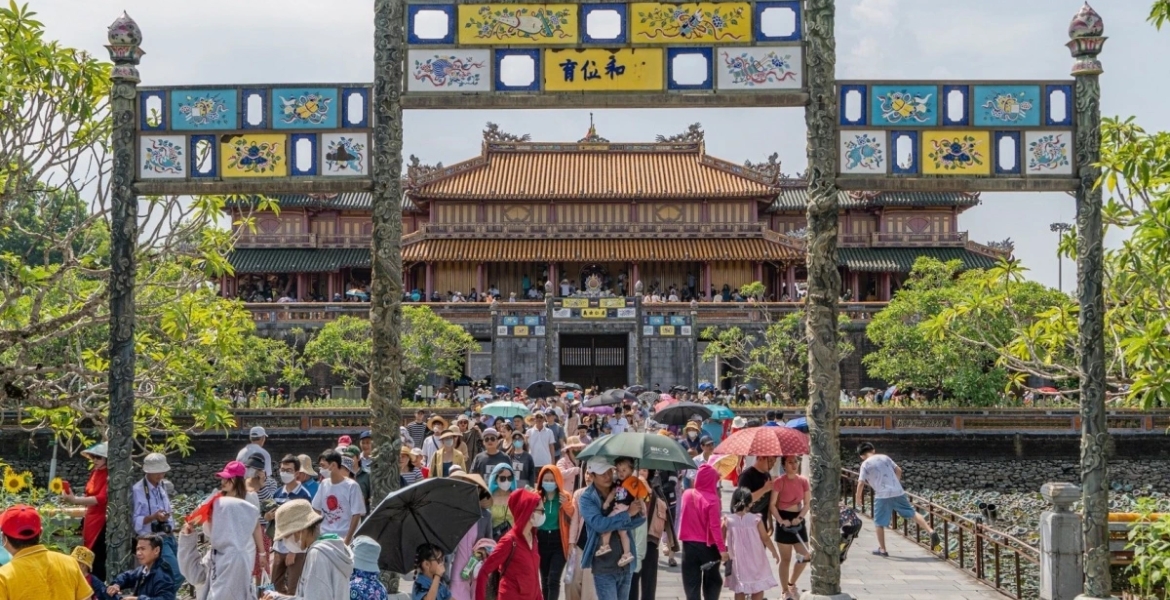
<point>124,38</point>
<point>1087,38</point>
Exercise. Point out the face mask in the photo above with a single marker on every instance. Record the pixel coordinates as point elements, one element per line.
<point>538,519</point>
<point>324,471</point>
<point>504,485</point>
<point>517,444</point>
<point>549,486</point>
<point>249,473</point>
<point>287,477</point>
<point>448,443</point>
<point>293,545</point>
<point>692,435</point>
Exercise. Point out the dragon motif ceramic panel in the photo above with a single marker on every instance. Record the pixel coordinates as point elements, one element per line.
<point>1007,105</point>
<point>162,157</point>
<point>863,152</point>
<point>305,108</point>
<point>466,70</point>
<point>200,110</point>
<point>345,154</point>
<point>701,22</point>
<point>254,155</point>
<point>904,105</point>
<point>759,68</point>
<point>1048,152</point>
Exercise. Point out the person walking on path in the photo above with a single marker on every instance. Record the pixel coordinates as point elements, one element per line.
<point>522,463</point>
<point>152,511</point>
<point>339,498</point>
<point>286,565</point>
<point>485,462</point>
<point>328,561</point>
<point>542,441</point>
<point>516,557</point>
<point>612,582</point>
<point>751,575</point>
<point>702,536</point>
<point>882,474</point>
<point>256,440</point>
<point>570,467</point>
<point>35,573</point>
<point>418,428</point>
<point>93,526</point>
<point>501,484</point>
<point>792,500</point>
<point>306,474</point>
<point>649,538</point>
<point>232,524</point>
<point>447,455</point>
<point>552,536</point>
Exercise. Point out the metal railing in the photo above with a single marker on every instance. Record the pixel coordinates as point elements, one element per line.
<point>992,557</point>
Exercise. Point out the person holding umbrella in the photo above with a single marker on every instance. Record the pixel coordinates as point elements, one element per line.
<point>516,557</point>
<point>328,562</point>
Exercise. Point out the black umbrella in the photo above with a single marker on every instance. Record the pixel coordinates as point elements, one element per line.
<point>680,412</point>
<point>570,386</point>
<point>636,389</point>
<point>436,511</point>
<point>648,398</point>
<point>541,389</point>
<point>680,388</point>
<point>610,398</point>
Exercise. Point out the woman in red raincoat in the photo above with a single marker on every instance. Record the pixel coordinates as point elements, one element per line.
<point>516,556</point>
<point>93,527</point>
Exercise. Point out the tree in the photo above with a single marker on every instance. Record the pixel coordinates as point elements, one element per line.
<point>923,343</point>
<point>430,346</point>
<point>778,361</point>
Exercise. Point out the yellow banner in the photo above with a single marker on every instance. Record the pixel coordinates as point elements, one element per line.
<point>956,153</point>
<point>706,22</point>
<point>520,331</point>
<point>666,330</point>
<point>600,70</point>
<point>514,24</point>
<point>254,155</point>
<point>576,303</point>
<point>593,313</point>
<point>613,303</point>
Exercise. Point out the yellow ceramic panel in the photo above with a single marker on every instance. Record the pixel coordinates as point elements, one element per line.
<point>613,303</point>
<point>515,24</point>
<point>702,22</point>
<point>254,155</point>
<point>600,70</point>
<point>575,303</point>
<point>960,153</point>
<point>520,331</point>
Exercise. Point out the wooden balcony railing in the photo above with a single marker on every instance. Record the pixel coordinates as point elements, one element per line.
<point>344,241</point>
<point>904,240</point>
<point>480,230</point>
<point>298,240</point>
<point>986,250</point>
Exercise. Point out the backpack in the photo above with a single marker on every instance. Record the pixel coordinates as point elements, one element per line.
<point>493,582</point>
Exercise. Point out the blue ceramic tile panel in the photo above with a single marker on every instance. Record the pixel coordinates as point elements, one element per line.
<point>245,95</point>
<point>413,9</point>
<point>210,158</point>
<point>361,121</point>
<point>294,147</point>
<point>904,105</point>
<point>305,108</point>
<point>1068,105</point>
<point>620,9</point>
<point>147,120</point>
<point>1016,164</point>
<point>915,154</point>
<point>204,110</point>
<point>964,105</point>
<point>758,11</point>
<point>1007,105</point>
<point>671,53</point>
<point>511,321</point>
<point>534,54</point>
<point>861,116</point>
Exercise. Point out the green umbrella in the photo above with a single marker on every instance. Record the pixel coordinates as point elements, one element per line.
<point>505,409</point>
<point>652,451</point>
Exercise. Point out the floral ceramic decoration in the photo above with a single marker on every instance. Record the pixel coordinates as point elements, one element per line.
<point>718,22</point>
<point>447,71</point>
<point>163,157</point>
<point>258,155</point>
<point>1000,105</point>
<point>1048,152</point>
<point>863,152</point>
<point>904,106</point>
<point>203,110</point>
<point>517,24</point>
<point>759,68</point>
<point>345,154</point>
<point>956,153</point>
<point>311,108</point>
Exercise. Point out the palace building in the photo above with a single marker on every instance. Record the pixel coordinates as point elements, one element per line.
<point>592,219</point>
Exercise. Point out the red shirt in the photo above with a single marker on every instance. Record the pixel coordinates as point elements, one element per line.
<point>95,516</point>
<point>521,580</point>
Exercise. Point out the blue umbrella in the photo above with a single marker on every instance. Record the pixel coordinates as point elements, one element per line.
<point>890,392</point>
<point>720,412</point>
<point>799,424</point>
<point>501,389</point>
<point>706,386</point>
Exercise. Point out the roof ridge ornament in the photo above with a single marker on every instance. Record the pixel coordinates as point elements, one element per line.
<point>768,170</point>
<point>417,173</point>
<point>592,137</point>
<point>493,134</point>
<point>1086,35</point>
<point>693,134</point>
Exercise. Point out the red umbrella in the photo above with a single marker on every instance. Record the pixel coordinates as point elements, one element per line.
<point>1048,390</point>
<point>765,441</point>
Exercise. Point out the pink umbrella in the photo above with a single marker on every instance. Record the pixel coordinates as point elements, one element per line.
<point>667,400</point>
<point>597,410</point>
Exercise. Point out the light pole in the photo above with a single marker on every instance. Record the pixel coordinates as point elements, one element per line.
<point>1059,229</point>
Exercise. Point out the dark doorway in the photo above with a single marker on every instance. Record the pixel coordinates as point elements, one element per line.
<point>595,360</point>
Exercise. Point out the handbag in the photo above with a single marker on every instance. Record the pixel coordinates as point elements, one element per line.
<point>493,582</point>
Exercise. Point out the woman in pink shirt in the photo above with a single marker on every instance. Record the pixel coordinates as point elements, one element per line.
<point>701,534</point>
<point>791,500</point>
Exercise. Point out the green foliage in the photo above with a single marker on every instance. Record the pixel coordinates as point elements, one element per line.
<point>942,332</point>
<point>778,362</point>
<point>430,345</point>
<point>1149,539</point>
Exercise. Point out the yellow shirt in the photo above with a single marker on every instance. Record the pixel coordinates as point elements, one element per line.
<point>37,574</point>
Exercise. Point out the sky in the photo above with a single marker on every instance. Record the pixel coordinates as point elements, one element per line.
<point>302,41</point>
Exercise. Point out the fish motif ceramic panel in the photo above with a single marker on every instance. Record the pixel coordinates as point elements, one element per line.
<point>956,152</point>
<point>904,105</point>
<point>701,22</point>
<point>201,110</point>
<point>759,68</point>
<point>1048,152</point>
<point>1007,105</point>
<point>599,70</point>
<point>465,70</point>
<point>254,155</point>
<point>864,152</point>
<point>305,108</point>
<point>345,154</point>
<point>514,24</point>
<point>162,157</point>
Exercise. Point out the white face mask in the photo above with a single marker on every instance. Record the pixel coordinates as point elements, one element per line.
<point>286,477</point>
<point>504,485</point>
<point>293,545</point>
<point>250,473</point>
<point>692,435</point>
<point>448,443</point>
<point>324,471</point>
<point>538,519</point>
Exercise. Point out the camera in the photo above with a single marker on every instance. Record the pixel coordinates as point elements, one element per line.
<point>163,527</point>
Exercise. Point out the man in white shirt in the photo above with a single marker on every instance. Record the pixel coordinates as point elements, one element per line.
<point>256,438</point>
<point>339,498</point>
<point>541,442</point>
<point>882,474</point>
<point>618,423</point>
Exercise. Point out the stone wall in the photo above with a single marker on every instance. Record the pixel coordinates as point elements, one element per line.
<point>1022,475</point>
<point>668,361</point>
<point>520,361</point>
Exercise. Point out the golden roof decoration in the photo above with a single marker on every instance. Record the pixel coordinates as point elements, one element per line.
<point>493,133</point>
<point>694,133</point>
<point>592,137</point>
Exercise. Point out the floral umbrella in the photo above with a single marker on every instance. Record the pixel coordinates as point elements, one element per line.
<point>765,441</point>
